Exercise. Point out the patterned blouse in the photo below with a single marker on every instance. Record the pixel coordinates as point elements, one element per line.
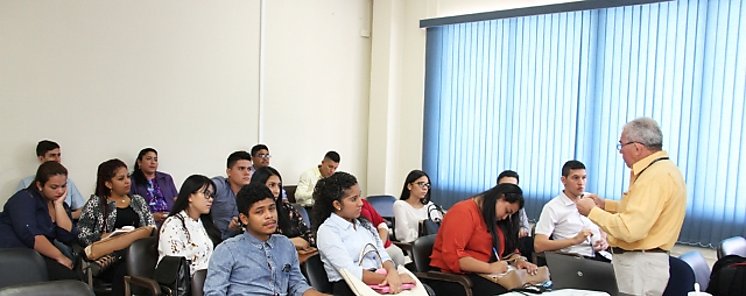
<point>297,226</point>
<point>91,223</point>
<point>183,236</point>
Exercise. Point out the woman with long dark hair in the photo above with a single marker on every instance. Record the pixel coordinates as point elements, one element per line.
<point>343,234</point>
<point>413,206</point>
<point>477,233</point>
<point>38,216</point>
<point>156,187</point>
<point>290,221</point>
<point>111,208</point>
<point>188,231</point>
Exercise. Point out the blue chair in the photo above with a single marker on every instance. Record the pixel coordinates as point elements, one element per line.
<point>681,280</point>
<point>384,205</point>
<point>700,267</point>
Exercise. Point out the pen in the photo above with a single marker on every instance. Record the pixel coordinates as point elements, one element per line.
<point>496,255</point>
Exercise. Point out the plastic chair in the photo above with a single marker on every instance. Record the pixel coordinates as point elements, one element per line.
<point>453,284</point>
<point>698,264</point>
<point>142,257</point>
<point>732,246</point>
<point>53,288</point>
<point>21,266</point>
<point>384,205</point>
<point>314,270</point>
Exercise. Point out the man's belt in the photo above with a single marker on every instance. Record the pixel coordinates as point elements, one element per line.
<point>617,250</point>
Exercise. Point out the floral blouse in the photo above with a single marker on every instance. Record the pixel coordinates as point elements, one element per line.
<point>183,236</point>
<point>91,223</point>
<point>297,226</point>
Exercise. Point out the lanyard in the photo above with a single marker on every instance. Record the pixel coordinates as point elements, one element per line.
<point>654,161</point>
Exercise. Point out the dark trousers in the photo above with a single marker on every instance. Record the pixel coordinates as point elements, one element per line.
<point>340,288</point>
<point>57,271</point>
<point>115,274</point>
<point>483,286</point>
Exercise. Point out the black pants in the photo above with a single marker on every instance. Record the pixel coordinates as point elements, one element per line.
<point>115,274</point>
<point>57,271</point>
<point>340,288</point>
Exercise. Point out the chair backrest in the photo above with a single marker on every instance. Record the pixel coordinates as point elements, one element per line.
<point>422,248</point>
<point>384,205</point>
<point>681,280</point>
<point>198,282</point>
<point>21,266</point>
<point>701,270</point>
<point>53,288</point>
<point>142,257</point>
<point>314,270</point>
<point>290,191</point>
<point>732,246</point>
<point>303,213</point>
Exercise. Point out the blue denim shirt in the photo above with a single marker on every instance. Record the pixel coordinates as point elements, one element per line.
<point>223,207</point>
<point>245,265</point>
<point>340,243</point>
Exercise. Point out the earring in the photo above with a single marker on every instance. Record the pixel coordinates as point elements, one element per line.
<point>339,209</point>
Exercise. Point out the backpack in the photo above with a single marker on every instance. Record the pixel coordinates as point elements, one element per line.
<point>728,276</point>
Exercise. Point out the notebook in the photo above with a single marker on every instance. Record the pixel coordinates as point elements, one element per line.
<point>574,272</point>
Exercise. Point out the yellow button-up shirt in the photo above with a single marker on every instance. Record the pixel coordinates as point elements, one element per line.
<point>651,212</point>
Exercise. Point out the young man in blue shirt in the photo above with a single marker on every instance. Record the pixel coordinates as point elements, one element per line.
<point>256,262</point>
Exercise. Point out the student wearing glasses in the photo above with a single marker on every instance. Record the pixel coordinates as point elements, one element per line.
<point>188,231</point>
<point>413,206</point>
<point>260,156</point>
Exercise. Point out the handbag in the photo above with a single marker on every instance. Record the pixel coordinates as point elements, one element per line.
<point>516,278</point>
<point>174,276</point>
<point>431,225</point>
<point>360,288</point>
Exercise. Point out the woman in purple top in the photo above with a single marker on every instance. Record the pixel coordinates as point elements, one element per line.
<point>156,187</point>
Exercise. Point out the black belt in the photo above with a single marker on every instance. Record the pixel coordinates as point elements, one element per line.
<point>617,250</point>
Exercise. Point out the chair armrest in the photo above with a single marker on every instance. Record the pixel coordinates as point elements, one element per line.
<point>150,284</point>
<point>402,245</point>
<point>447,277</point>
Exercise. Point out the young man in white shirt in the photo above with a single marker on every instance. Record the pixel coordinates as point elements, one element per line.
<point>307,182</point>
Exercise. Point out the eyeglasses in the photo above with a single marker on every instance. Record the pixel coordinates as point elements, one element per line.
<point>265,156</point>
<point>208,194</point>
<point>423,185</point>
<point>621,145</point>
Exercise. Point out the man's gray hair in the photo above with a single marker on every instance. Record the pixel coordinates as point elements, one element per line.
<point>645,131</point>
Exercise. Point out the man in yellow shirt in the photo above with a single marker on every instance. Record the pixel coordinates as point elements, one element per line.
<point>644,225</point>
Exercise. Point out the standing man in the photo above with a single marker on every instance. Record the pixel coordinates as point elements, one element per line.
<point>50,151</point>
<point>224,211</point>
<point>560,220</point>
<point>645,224</point>
<point>260,156</point>
<point>307,182</point>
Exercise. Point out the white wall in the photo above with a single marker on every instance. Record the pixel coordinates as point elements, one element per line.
<point>105,79</point>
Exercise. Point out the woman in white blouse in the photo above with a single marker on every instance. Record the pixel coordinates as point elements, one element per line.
<point>188,231</point>
<point>413,206</point>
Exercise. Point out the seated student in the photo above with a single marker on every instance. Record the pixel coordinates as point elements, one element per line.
<point>369,213</point>
<point>257,262</point>
<point>342,236</point>
<point>156,187</point>
<point>290,222</point>
<point>37,216</point>
<point>50,151</point>
<point>307,182</point>
<point>112,208</point>
<point>560,219</point>
<point>260,156</point>
<point>188,231</point>
<point>413,206</point>
<point>525,241</point>
<point>224,212</point>
<point>478,230</point>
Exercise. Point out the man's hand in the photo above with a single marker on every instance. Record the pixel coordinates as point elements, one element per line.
<point>522,233</point>
<point>233,225</point>
<point>581,236</point>
<point>600,245</point>
<point>585,205</point>
<point>600,202</point>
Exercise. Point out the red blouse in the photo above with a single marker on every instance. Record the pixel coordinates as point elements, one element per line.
<point>370,213</point>
<point>463,233</point>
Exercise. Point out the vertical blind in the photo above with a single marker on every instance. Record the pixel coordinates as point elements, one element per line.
<point>531,93</point>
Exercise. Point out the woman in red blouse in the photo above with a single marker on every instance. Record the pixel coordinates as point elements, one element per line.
<point>477,232</point>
